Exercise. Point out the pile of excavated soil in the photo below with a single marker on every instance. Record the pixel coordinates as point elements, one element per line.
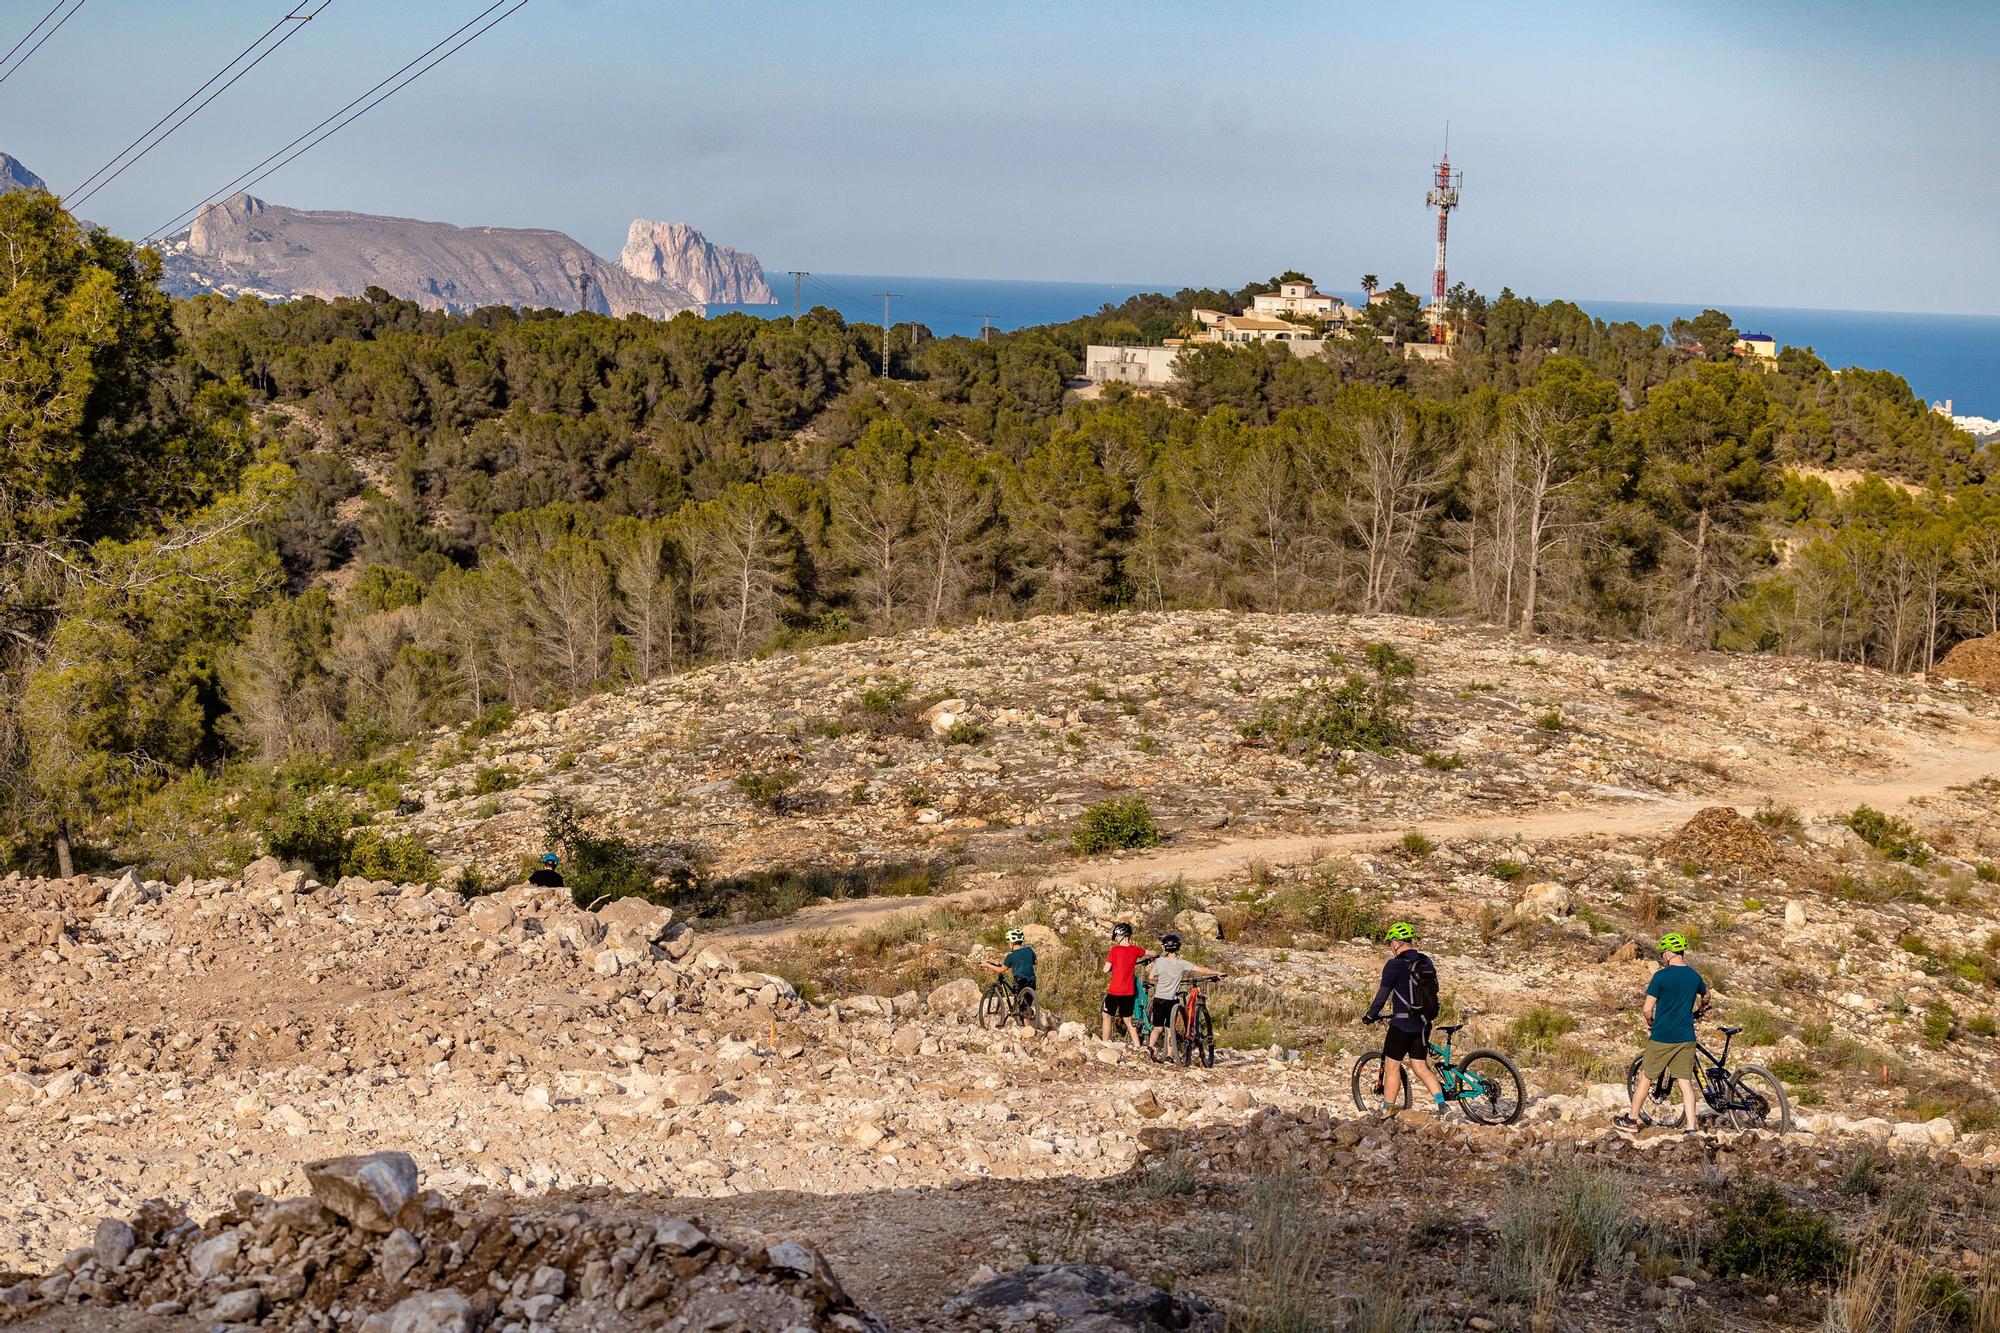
<point>1976,661</point>
<point>1718,838</point>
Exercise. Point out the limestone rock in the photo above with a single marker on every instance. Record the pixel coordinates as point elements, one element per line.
<point>426,1312</point>
<point>1082,1298</point>
<point>367,1191</point>
<point>958,996</point>
<point>113,1242</point>
<point>675,254</point>
<point>1546,899</point>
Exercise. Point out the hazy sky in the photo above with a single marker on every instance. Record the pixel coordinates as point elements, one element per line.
<point>1793,152</point>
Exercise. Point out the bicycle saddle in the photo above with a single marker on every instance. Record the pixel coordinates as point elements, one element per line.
<point>1449,1028</point>
<point>1728,1031</point>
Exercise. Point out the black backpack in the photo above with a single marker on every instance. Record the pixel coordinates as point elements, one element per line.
<point>1423,998</point>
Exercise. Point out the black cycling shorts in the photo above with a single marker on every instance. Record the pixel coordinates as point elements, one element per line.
<point>1119,1006</point>
<point>1398,1044</point>
<point>1163,1012</point>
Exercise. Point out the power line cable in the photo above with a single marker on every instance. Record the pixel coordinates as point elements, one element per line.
<point>299,20</point>
<point>286,155</point>
<point>45,37</point>
<point>32,31</point>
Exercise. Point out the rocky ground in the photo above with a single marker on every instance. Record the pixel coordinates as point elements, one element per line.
<point>822,1083</point>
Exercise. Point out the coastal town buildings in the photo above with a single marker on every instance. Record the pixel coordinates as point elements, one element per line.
<point>1298,315</point>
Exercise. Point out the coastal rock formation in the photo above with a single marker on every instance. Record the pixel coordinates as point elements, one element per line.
<point>246,246</point>
<point>673,252</point>
<point>14,176</point>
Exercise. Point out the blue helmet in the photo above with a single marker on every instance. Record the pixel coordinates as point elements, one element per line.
<point>551,860</point>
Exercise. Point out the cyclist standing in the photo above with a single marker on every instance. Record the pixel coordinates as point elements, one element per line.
<point>1121,964</point>
<point>1410,987</point>
<point>1019,962</point>
<point>547,875</point>
<point>1168,973</point>
<point>1675,997</point>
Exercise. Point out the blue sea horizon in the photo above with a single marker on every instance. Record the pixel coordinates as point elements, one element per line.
<point>1954,357</point>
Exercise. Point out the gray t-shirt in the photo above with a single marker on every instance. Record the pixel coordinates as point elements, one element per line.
<point>1167,974</point>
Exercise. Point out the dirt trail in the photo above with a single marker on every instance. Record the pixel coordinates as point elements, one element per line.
<point>1923,767</point>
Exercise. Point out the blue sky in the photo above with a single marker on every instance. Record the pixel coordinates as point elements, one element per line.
<point>1791,153</point>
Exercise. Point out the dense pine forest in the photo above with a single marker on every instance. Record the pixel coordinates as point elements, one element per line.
<point>241,540</point>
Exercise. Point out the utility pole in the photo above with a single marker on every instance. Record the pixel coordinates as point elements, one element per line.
<point>886,298</point>
<point>985,328</point>
<point>796,275</point>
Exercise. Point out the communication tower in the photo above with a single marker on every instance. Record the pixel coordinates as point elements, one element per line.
<point>1443,197</point>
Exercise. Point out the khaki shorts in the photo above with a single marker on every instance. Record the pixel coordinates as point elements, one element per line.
<point>1668,1057</point>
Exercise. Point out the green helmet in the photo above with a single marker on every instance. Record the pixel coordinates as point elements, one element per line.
<point>1673,943</point>
<point>1402,930</point>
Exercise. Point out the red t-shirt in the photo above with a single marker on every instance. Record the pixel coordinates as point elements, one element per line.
<point>1124,959</point>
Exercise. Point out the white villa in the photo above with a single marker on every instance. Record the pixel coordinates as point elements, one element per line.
<point>1264,321</point>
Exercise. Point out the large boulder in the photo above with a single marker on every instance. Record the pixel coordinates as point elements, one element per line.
<point>958,996</point>
<point>1546,899</point>
<point>1082,1298</point>
<point>426,1312</point>
<point>367,1191</point>
<point>634,923</point>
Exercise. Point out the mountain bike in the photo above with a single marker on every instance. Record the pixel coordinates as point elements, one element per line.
<point>1003,1003</point>
<point>1190,1031</point>
<point>1484,1084</point>
<point>1747,1097</point>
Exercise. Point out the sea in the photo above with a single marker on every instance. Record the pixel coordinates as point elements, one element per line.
<point>1944,357</point>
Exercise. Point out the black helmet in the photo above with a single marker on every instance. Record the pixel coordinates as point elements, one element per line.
<point>1123,930</point>
<point>1170,942</point>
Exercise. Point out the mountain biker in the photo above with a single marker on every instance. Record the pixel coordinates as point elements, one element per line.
<point>1122,965</point>
<point>1675,997</point>
<point>1410,988</point>
<point>1019,964</point>
<point>547,875</point>
<point>1168,973</point>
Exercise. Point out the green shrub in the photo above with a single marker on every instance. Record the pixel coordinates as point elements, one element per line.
<point>1762,1234</point>
<point>964,733</point>
<point>767,789</point>
<point>314,831</point>
<point>1444,763</point>
<point>1416,844</point>
<point>887,699</point>
<point>596,865</point>
<point>1894,838</point>
<point>1170,1174</point>
<point>1982,1025</point>
<point>1506,870</point>
<point>486,781</point>
<point>1359,713</point>
<point>1539,1029</point>
<point>491,722</point>
<point>1552,720</point>
<point>1115,824</point>
<point>1937,1025</point>
<point>373,854</point>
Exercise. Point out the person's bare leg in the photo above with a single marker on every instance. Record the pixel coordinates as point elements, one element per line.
<point>1428,1077</point>
<point>1132,1032</point>
<point>1640,1091</point>
<point>1688,1100</point>
<point>1107,1027</point>
<point>1392,1081</point>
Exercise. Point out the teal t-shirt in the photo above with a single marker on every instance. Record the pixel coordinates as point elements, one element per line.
<point>1021,962</point>
<point>1674,991</point>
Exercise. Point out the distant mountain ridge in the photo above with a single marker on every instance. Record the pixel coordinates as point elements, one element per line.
<point>245,246</point>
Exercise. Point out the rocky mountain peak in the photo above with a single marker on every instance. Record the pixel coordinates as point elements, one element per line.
<point>674,252</point>
<point>14,176</point>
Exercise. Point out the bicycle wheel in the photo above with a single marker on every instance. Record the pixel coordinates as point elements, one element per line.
<point>1758,1101</point>
<point>1203,1044</point>
<point>1367,1084</point>
<point>1663,1105</point>
<point>1024,1006</point>
<point>996,1006</point>
<point>1490,1090</point>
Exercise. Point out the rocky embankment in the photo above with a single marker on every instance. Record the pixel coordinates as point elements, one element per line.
<point>981,745</point>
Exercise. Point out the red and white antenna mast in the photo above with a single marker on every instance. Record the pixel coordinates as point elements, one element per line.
<point>1443,197</point>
